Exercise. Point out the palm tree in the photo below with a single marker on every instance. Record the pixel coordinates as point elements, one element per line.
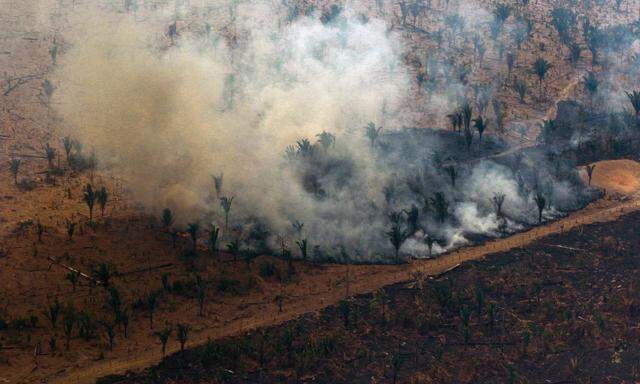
<point>455,119</point>
<point>183,335</point>
<point>326,139</point>
<point>541,203</point>
<point>50,154</point>
<point>540,68</point>
<point>372,133</point>
<point>590,169</point>
<point>634,98</point>
<point>213,238</point>
<point>68,145</point>
<point>164,338</point>
<point>302,244</point>
<point>152,304</point>
<point>480,125</point>
<point>520,86</point>
<point>591,84</point>
<point>397,236</point>
<point>453,174</point>
<point>193,229</point>
<point>217,183</point>
<point>167,218</point>
<point>14,167</point>
<point>225,202</point>
<point>441,206</point>
<point>73,278</point>
<point>502,13</point>
<point>90,199</point>
<point>234,248</point>
<point>467,113</point>
<point>429,241</point>
<point>498,201</point>
<point>102,196</point>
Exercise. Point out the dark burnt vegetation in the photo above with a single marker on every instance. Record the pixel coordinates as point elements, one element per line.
<point>560,310</point>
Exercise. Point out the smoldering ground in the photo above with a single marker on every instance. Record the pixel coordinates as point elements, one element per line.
<point>280,105</point>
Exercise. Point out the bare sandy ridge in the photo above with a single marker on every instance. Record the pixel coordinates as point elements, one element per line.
<point>621,176</point>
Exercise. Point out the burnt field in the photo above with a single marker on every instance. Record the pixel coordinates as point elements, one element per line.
<point>562,310</point>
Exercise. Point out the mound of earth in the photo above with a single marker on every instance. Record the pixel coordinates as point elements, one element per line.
<point>617,176</point>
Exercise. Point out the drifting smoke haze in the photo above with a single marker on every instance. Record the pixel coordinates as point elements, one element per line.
<point>167,113</point>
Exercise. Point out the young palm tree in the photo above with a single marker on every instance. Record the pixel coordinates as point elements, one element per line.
<point>372,133</point>
<point>480,125</point>
<point>193,229</point>
<point>14,167</point>
<point>540,68</point>
<point>234,248</point>
<point>225,202</point>
<point>302,244</point>
<point>541,203</point>
<point>109,327</point>
<point>69,321</point>
<point>90,199</point>
<point>163,336</point>
<point>102,196</point>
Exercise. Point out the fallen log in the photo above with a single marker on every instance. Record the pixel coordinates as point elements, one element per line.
<point>147,269</point>
<point>81,274</point>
